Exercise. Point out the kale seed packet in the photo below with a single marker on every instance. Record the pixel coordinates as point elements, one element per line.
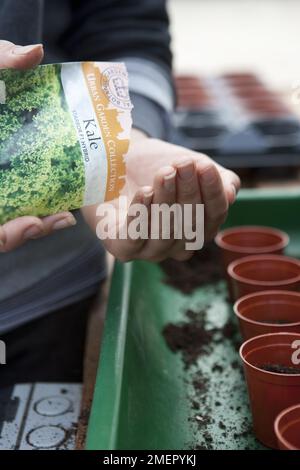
<point>64,136</point>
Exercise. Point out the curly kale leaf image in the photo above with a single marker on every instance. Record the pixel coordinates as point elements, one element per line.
<point>41,166</point>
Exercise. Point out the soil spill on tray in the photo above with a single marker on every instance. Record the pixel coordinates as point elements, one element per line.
<point>207,340</point>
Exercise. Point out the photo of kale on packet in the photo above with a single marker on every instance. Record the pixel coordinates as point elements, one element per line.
<point>64,135</point>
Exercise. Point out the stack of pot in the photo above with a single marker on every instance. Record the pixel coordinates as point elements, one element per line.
<point>265,288</point>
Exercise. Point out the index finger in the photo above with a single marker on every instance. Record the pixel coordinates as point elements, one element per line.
<point>214,199</point>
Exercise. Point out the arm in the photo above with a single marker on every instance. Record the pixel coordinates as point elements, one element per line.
<point>162,173</point>
<point>136,31</point>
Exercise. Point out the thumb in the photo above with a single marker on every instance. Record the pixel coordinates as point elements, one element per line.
<point>20,57</point>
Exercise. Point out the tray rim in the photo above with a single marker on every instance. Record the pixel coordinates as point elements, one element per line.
<point>111,363</point>
<point>269,193</point>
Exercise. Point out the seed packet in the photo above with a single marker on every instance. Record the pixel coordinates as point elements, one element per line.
<point>64,135</point>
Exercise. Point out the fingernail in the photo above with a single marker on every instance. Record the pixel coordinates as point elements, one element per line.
<point>64,223</point>
<point>186,171</point>
<point>33,232</point>
<point>233,193</point>
<point>169,180</point>
<point>23,50</point>
<point>147,194</point>
<point>208,175</point>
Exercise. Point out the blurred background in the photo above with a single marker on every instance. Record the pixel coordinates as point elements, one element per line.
<point>248,123</point>
<point>211,36</point>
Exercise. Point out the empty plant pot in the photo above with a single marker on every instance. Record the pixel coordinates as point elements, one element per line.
<point>263,272</point>
<point>265,106</point>
<point>268,312</point>
<point>287,428</point>
<point>247,240</point>
<point>193,90</point>
<point>240,76</point>
<point>252,92</point>
<point>273,380</point>
<point>187,81</point>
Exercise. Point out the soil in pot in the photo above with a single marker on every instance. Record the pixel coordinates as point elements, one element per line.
<point>275,322</point>
<point>273,380</point>
<point>279,368</point>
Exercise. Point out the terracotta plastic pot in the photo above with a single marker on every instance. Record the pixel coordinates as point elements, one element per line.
<point>270,114</point>
<point>287,428</point>
<point>268,312</point>
<point>263,272</point>
<point>186,81</point>
<point>265,106</point>
<point>239,75</point>
<point>192,90</point>
<point>270,392</point>
<point>247,240</point>
<point>242,78</point>
<point>198,99</point>
<point>253,92</point>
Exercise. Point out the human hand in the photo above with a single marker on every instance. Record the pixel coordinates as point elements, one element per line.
<point>159,172</point>
<point>16,232</point>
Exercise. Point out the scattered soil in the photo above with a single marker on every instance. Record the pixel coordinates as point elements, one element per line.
<point>195,338</point>
<point>280,369</point>
<point>82,428</point>
<point>217,368</point>
<point>189,337</point>
<point>245,433</point>
<point>195,405</point>
<point>200,385</point>
<point>222,425</point>
<point>203,268</point>
<point>236,365</point>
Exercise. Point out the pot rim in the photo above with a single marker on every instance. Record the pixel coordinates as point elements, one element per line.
<point>254,295</point>
<point>254,282</point>
<point>258,369</point>
<point>252,228</point>
<point>278,432</point>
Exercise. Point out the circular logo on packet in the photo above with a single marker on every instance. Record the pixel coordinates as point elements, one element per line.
<point>115,87</point>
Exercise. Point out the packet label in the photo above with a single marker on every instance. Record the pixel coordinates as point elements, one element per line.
<point>64,135</point>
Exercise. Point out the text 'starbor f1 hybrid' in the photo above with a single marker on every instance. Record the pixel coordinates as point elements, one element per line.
<point>64,133</point>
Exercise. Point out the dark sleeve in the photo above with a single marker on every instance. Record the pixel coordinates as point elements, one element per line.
<point>136,31</point>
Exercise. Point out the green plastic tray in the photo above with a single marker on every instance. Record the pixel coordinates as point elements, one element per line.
<point>141,395</point>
